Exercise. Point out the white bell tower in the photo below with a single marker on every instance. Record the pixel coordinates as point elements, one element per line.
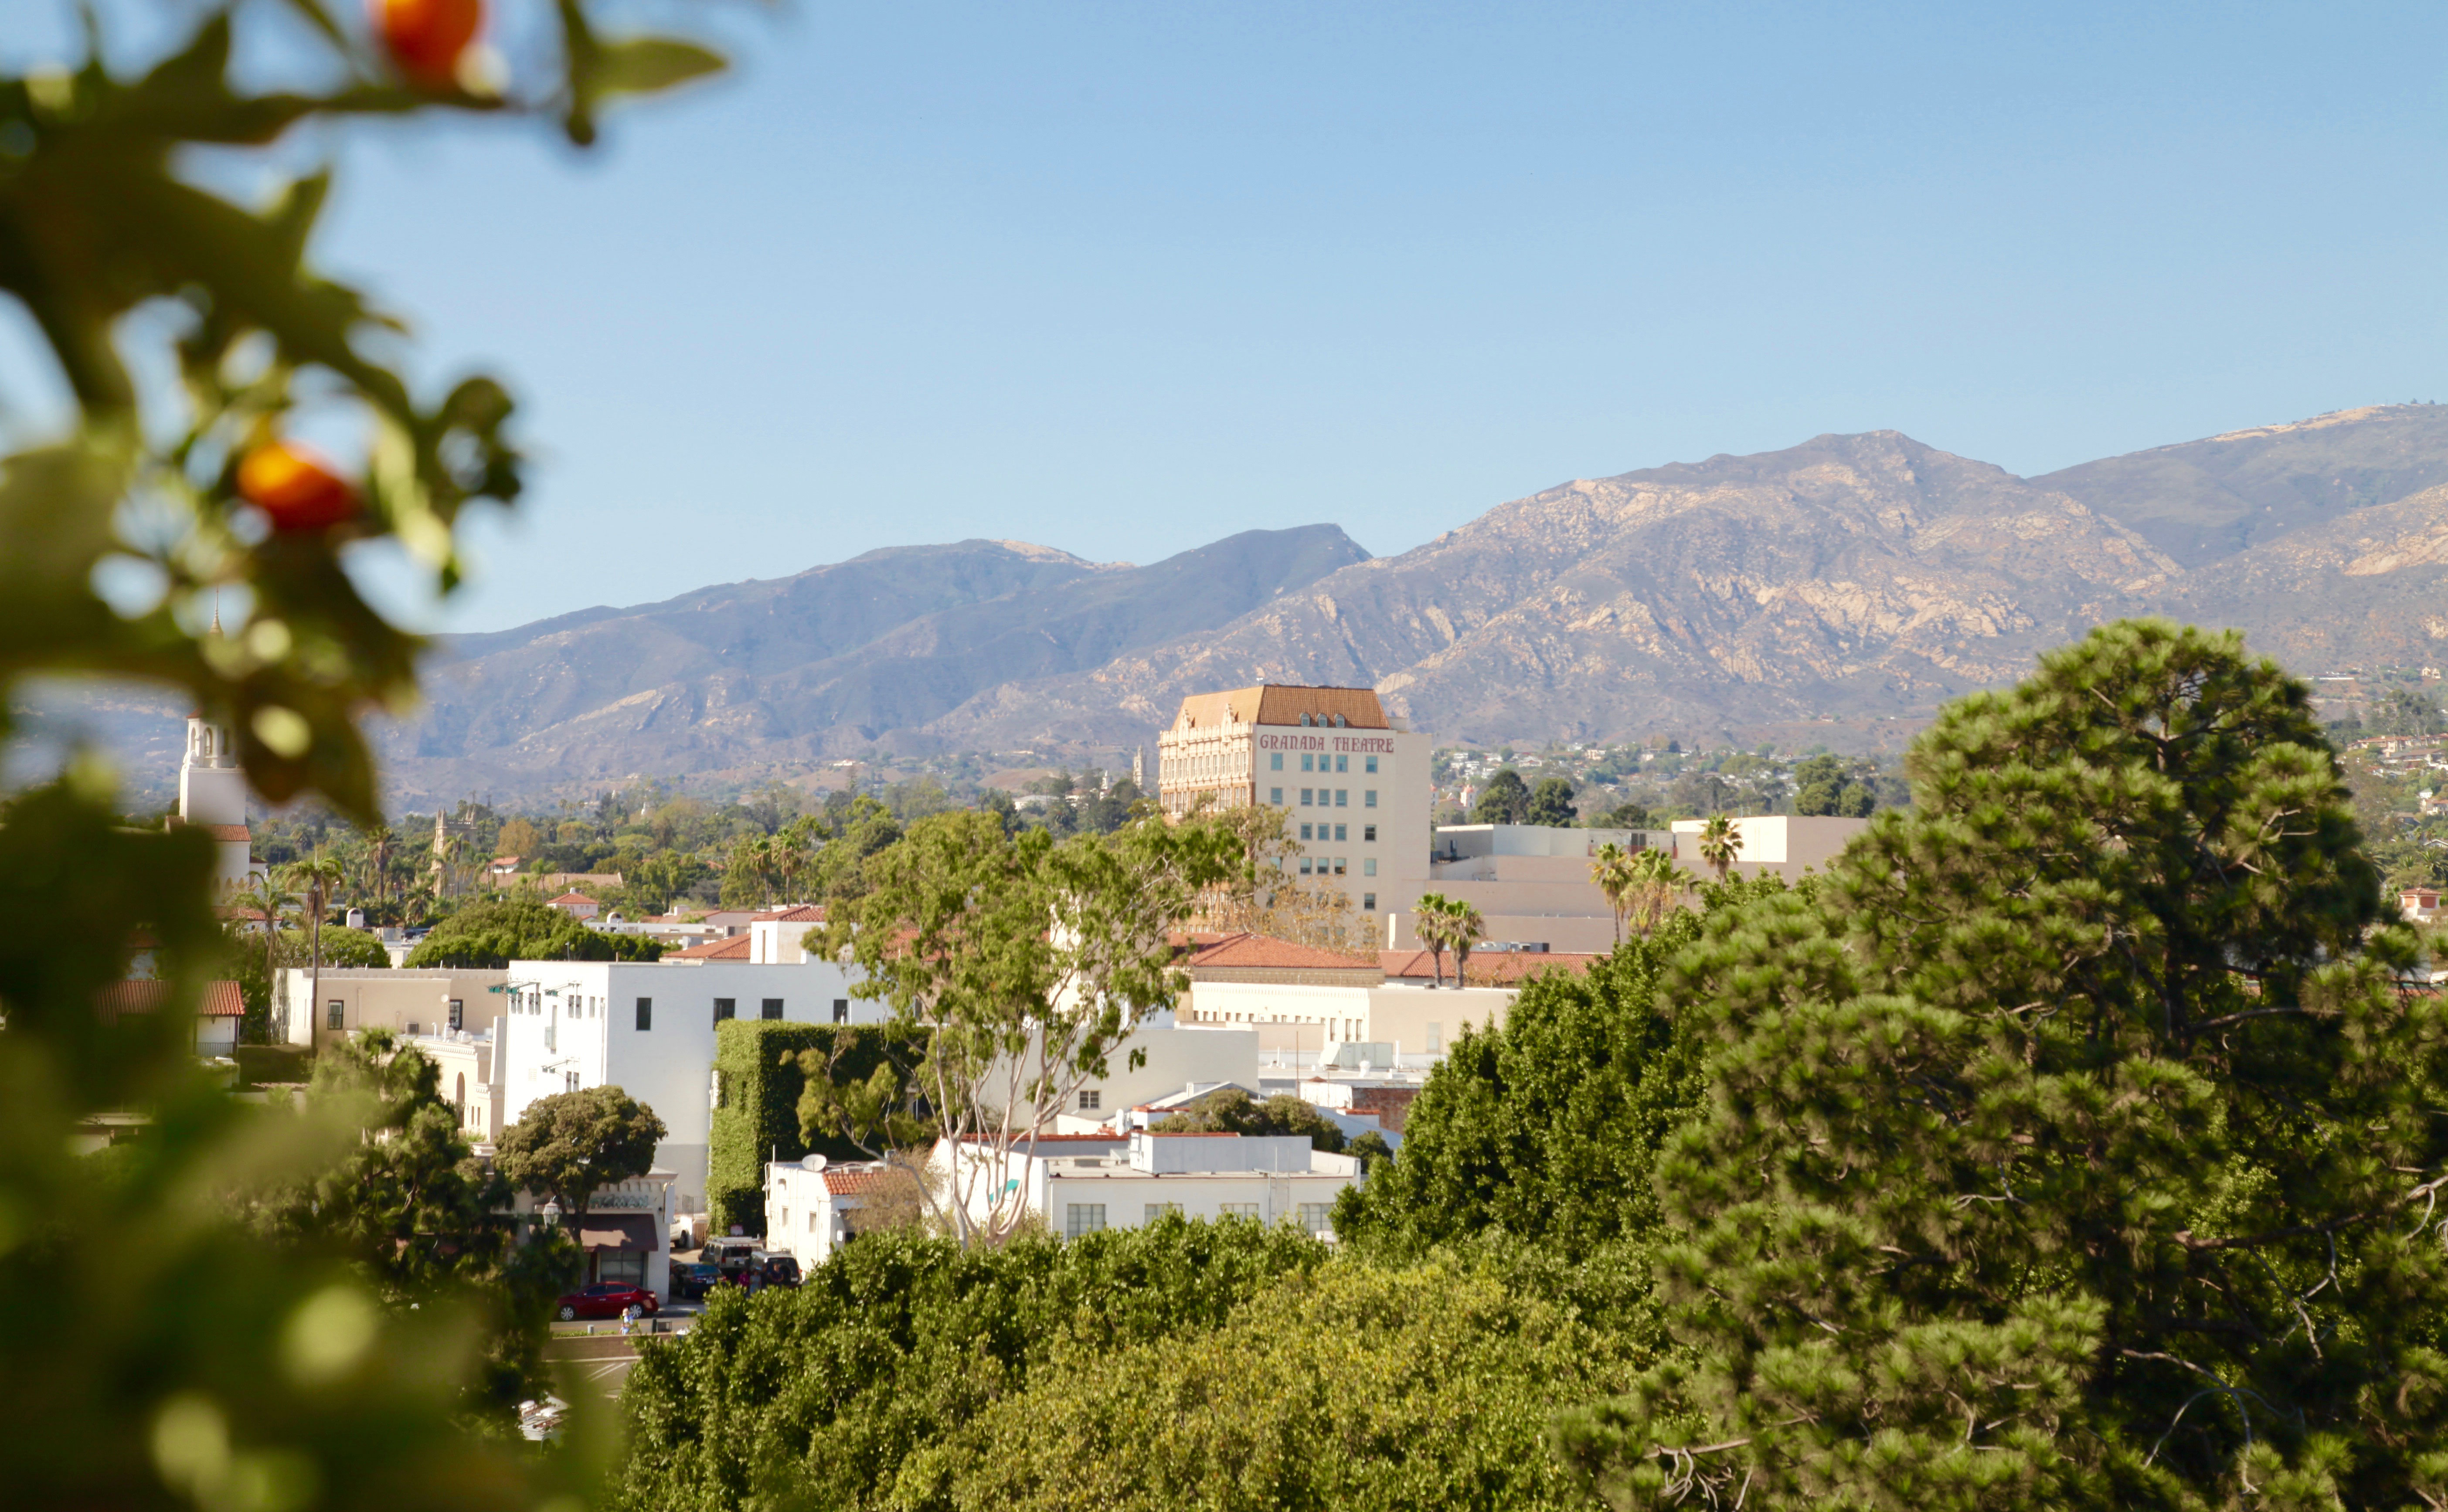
<point>212,797</point>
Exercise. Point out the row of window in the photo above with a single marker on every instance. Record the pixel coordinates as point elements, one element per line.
<point>1342,832</point>
<point>336,1012</point>
<point>1317,762</point>
<point>1337,866</point>
<point>729,1008</point>
<point>1324,797</point>
<point>1089,1217</point>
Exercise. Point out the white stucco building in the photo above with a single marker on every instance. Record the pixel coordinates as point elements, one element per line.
<point>1083,1186</point>
<point>648,1029</point>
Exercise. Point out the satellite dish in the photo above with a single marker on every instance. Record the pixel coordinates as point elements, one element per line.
<point>814,1162</point>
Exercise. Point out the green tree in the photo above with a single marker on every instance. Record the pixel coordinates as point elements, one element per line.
<point>1353,1387</point>
<point>2072,1143</point>
<point>1657,882</point>
<point>911,1339</point>
<point>1721,844</point>
<point>1548,1127</point>
<point>521,926</point>
<point>1628,815</point>
<point>1506,800</point>
<point>572,1145</point>
<point>1462,928</point>
<point>417,1213</point>
<point>1230,1110</point>
<point>1029,962</point>
<point>1551,804</point>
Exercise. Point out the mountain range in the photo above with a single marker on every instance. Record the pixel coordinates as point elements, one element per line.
<point>1852,581</point>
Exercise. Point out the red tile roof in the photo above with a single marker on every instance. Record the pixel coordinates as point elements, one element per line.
<point>219,832</point>
<point>1247,953</point>
<point>1488,969</point>
<point>797,914</point>
<point>853,1181</point>
<point>571,897</point>
<point>222,1000</point>
<point>732,947</point>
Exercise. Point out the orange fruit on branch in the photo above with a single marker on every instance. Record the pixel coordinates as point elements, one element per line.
<point>295,487</point>
<point>425,37</point>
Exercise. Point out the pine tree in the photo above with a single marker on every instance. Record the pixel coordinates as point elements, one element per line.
<point>2074,1143</point>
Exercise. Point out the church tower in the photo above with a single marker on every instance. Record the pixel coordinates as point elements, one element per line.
<point>212,797</point>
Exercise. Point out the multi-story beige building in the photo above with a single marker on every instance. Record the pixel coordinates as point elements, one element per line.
<point>1353,781</point>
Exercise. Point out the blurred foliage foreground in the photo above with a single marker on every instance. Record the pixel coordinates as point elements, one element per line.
<point>245,1306</point>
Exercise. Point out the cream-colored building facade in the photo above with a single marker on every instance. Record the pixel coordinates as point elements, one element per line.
<point>1352,780</point>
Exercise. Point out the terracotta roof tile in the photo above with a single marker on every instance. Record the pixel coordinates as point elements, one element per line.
<point>1263,952</point>
<point>222,1000</point>
<point>731,947</point>
<point>1487,967</point>
<point>571,897</point>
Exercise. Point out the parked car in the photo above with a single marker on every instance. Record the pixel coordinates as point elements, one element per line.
<point>778,1269</point>
<point>691,1278</point>
<point>729,1255</point>
<point>604,1299</point>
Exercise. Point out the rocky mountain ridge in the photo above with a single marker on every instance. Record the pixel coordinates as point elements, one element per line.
<point>1861,578</point>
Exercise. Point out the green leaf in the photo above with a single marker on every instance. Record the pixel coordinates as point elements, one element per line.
<point>649,65</point>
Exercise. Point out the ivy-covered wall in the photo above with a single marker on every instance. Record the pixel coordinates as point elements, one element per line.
<point>757,1118</point>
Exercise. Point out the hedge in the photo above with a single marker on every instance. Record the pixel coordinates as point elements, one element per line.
<point>262,1064</point>
<point>757,1117</point>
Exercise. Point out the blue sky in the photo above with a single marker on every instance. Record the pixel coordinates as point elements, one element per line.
<point>1125,279</point>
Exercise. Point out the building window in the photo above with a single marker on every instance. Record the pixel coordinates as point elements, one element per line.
<point>570,1081</point>
<point>1305,829</point>
<point>1306,796</point>
<point>337,1009</point>
<point>1304,872</point>
<point>1368,833</point>
<point>1238,1209</point>
<point>773,1007</point>
<point>1089,1098</point>
<point>458,1011</point>
<point>1308,763</point>
<point>1275,762</point>
<point>1370,766</point>
<point>645,1014</point>
<point>1341,865</point>
<point>1343,763</point>
<point>1368,866</point>
<point>812,1220</point>
<point>725,1008</point>
<point>623,1267</point>
<point>1151,1212</point>
<point>1275,796</point>
<point>1369,903</point>
<point>1317,1217</point>
<point>1343,831</point>
<point>1343,798</point>
<point>1082,1217</point>
<point>841,1010</point>
<point>1369,799</point>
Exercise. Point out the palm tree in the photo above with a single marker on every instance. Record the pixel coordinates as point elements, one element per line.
<point>1656,880</point>
<point>318,878</point>
<point>268,898</point>
<point>1463,928</point>
<point>1611,868</point>
<point>1720,844</point>
<point>381,841</point>
<point>1432,913</point>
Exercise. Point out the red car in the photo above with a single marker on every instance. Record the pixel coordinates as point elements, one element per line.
<point>605,1299</point>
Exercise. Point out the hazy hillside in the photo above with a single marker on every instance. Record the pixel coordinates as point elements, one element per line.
<point>1863,576</point>
<point>816,665</point>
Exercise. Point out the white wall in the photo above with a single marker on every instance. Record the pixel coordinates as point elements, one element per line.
<point>577,1027</point>
<point>1296,1023</point>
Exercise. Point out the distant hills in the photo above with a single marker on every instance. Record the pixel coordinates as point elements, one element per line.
<point>1862,579</point>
